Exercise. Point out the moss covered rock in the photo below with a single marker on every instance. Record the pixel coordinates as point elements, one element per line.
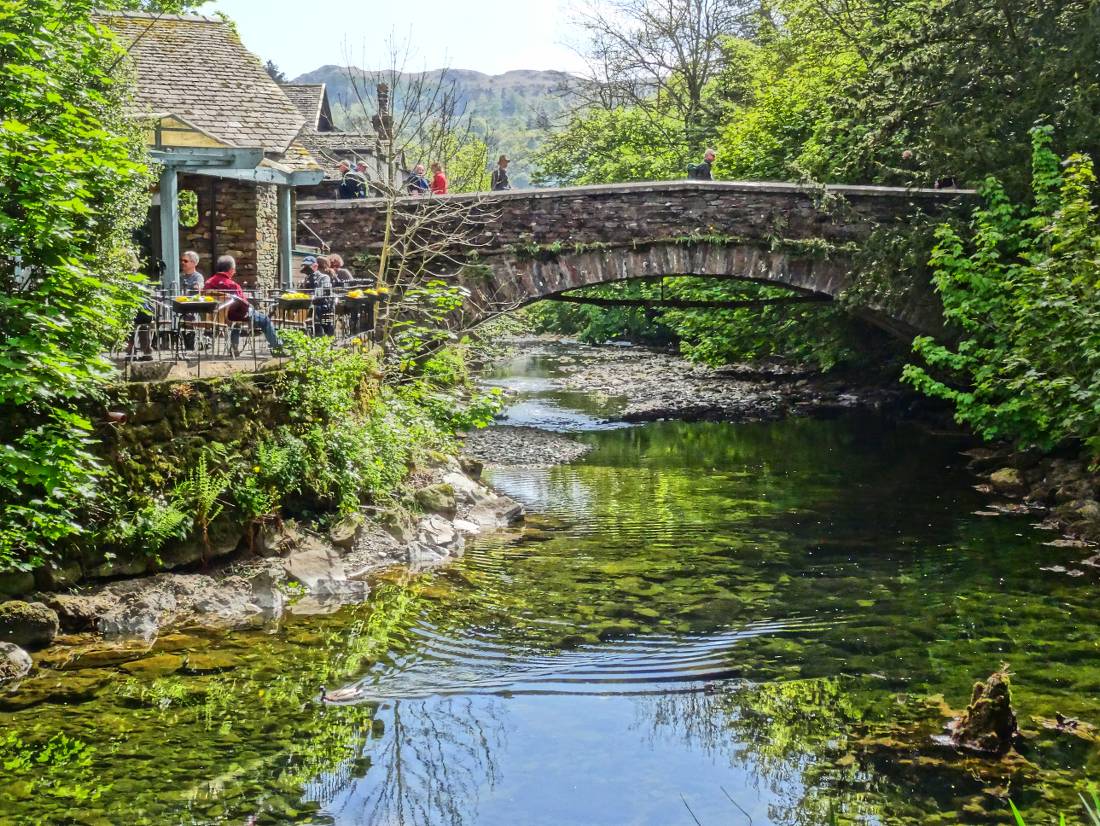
<point>14,662</point>
<point>1007,481</point>
<point>438,499</point>
<point>989,722</point>
<point>27,624</point>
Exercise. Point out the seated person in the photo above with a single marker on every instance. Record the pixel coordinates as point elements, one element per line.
<point>319,280</point>
<point>239,310</point>
<point>341,275</point>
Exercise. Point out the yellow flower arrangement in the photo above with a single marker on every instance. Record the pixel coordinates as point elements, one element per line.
<point>383,290</point>
<point>295,296</point>
<point>355,294</point>
<point>194,299</point>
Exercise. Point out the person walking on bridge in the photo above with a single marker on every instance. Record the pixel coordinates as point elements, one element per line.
<point>499,180</point>
<point>701,171</point>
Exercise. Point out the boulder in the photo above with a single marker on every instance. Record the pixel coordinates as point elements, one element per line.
<point>27,624</point>
<point>397,523</point>
<point>345,532</point>
<point>209,662</point>
<point>422,556</point>
<point>138,614</point>
<point>276,539</point>
<point>67,688</point>
<point>471,467</point>
<point>435,530</point>
<point>105,654</point>
<point>439,499</point>
<point>158,665</point>
<point>54,577</point>
<point>267,595</point>
<point>14,583</point>
<point>1007,481</point>
<point>14,662</point>
<point>466,490</point>
<point>228,602</point>
<point>321,570</point>
<point>78,612</point>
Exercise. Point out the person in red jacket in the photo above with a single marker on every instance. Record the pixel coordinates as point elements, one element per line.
<point>240,310</point>
<point>439,180</point>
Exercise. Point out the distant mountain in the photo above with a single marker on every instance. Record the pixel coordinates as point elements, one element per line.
<point>514,111</point>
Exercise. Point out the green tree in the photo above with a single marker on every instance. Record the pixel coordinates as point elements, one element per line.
<point>950,88</point>
<point>1022,290</point>
<point>611,146</point>
<point>74,188</point>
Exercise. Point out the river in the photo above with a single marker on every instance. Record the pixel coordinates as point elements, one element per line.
<point>702,623</point>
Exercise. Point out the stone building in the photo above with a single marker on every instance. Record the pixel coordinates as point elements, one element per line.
<point>231,143</point>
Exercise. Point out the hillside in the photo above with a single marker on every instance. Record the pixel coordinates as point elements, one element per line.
<point>513,111</point>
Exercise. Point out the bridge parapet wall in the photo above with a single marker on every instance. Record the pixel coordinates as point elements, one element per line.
<point>625,213</point>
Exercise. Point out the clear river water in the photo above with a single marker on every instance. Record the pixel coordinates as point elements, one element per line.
<point>699,623</point>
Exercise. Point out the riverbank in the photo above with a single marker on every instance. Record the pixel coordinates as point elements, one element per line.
<point>291,569</point>
<point>637,384</point>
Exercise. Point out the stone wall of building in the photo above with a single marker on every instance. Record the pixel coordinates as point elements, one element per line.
<point>235,218</point>
<point>266,273</point>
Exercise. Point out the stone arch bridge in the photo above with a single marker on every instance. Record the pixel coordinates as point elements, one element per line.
<point>537,243</point>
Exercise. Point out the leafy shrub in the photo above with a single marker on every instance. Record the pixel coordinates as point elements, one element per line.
<point>74,188</point>
<point>1022,292</point>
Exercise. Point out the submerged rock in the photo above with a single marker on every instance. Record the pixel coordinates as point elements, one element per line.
<point>27,624</point>
<point>989,722</point>
<point>14,662</point>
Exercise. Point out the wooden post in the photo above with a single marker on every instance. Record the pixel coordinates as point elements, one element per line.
<point>286,237</point>
<point>170,228</point>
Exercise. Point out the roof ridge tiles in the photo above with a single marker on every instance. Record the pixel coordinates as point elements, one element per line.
<point>146,15</point>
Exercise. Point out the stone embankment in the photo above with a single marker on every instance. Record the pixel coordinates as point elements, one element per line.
<point>289,570</point>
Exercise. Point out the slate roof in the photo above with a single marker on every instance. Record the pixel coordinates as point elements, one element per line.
<point>197,68</point>
<point>309,98</point>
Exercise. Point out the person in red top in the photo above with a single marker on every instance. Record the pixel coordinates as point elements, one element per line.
<point>439,180</point>
<point>239,310</point>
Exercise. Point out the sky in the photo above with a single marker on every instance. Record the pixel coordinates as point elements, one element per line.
<point>491,36</point>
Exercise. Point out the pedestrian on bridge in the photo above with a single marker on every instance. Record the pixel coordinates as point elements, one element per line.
<point>499,180</point>
<point>701,171</point>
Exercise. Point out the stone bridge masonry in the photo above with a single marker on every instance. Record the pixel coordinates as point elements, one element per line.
<point>539,242</point>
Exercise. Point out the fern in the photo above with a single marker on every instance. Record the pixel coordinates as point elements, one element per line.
<point>201,491</point>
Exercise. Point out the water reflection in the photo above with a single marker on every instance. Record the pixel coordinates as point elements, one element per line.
<point>430,764</point>
<point>699,623</point>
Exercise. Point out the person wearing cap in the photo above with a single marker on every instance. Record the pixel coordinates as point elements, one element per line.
<point>499,180</point>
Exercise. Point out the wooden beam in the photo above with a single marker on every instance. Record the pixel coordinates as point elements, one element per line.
<point>688,304</point>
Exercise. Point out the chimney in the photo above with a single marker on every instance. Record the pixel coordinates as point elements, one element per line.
<point>383,121</point>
